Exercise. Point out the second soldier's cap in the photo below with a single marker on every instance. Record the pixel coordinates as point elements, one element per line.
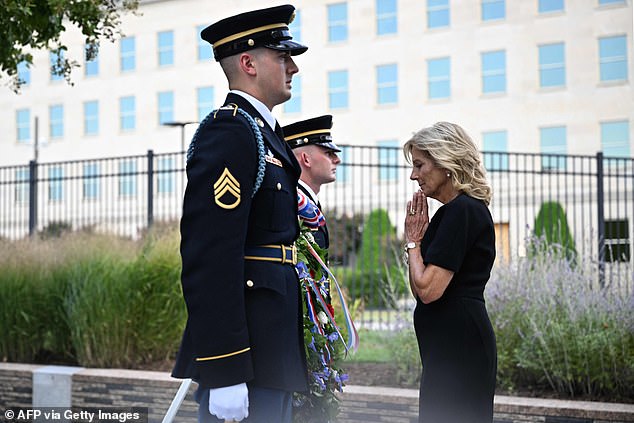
<point>310,131</point>
<point>257,28</point>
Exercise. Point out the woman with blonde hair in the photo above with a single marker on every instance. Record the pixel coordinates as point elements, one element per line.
<point>450,259</point>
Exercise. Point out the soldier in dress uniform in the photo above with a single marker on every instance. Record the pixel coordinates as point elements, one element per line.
<point>312,145</point>
<point>243,341</point>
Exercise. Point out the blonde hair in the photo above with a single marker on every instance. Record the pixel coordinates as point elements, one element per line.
<point>450,148</point>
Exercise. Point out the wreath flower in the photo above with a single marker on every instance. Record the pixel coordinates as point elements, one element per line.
<point>323,340</point>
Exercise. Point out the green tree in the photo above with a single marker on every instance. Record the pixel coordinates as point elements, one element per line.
<point>552,231</point>
<point>376,240</point>
<point>27,25</point>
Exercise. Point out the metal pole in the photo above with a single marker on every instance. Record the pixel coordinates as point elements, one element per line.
<point>600,219</point>
<point>177,401</point>
<point>33,179</point>
<point>32,197</point>
<point>36,140</point>
<point>182,138</point>
<point>150,188</point>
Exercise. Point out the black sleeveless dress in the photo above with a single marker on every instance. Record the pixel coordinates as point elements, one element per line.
<point>455,336</point>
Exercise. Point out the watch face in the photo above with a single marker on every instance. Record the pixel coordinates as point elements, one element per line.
<point>410,245</point>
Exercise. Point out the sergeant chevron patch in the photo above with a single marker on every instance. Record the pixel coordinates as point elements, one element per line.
<point>227,189</point>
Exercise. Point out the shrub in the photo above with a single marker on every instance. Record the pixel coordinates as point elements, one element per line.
<point>376,239</point>
<point>552,232</point>
<point>556,327</point>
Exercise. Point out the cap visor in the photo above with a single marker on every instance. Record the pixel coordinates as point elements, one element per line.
<point>288,45</point>
<point>330,146</point>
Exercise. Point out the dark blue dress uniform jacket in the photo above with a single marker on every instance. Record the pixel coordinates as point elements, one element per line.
<point>244,316</point>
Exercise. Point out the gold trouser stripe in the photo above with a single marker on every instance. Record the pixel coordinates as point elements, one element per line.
<point>303,134</point>
<point>248,32</point>
<point>223,356</point>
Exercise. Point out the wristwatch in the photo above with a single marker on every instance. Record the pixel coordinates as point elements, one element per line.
<point>406,249</point>
<point>410,245</point>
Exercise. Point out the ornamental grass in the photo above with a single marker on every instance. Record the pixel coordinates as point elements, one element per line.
<point>91,300</point>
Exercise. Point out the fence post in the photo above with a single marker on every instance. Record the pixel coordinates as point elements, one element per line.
<point>32,197</point>
<point>600,219</point>
<point>150,188</point>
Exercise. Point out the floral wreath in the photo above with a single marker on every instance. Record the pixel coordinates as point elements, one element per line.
<point>323,339</point>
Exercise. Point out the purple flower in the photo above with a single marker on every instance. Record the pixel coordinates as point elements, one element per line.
<point>312,344</point>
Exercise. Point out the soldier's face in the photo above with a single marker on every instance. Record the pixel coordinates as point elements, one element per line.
<point>323,164</point>
<point>276,72</point>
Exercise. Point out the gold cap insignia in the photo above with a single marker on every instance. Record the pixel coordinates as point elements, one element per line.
<point>292,18</point>
<point>227,185</point>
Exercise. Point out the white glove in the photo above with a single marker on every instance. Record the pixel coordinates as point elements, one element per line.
<point>230,402</point>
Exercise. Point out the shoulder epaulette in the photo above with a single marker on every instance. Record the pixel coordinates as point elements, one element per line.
<point>234,110</point>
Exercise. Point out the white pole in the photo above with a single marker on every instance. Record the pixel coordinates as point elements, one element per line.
<point>177,401</point>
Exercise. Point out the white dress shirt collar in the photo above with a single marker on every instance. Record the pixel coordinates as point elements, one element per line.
<point>259,106</point>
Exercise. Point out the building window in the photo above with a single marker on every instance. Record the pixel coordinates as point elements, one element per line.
<point>127,178</point>
<point>55,63</point>
<point>91,67</point>
<point>55,183</point>
<point>386,17</point>
<point>24,73</point>
<point>205,101</point>
<point>437,13</point>
<point>294,105</point>
<point>22,186</point>
<point>127,54</point>
<point>438,78</point>
<point>337,22</point>
<point>494,72</point>
<point>91,181</point>
<point>205,51</point>
<point>295,27</point>
<point>165,177</point>
<point>493,10</point>
<point>56,121</point>
<point>23,125</point>
<point>552,65</point>
<point>604,2</point>
<point>613,58</point>
<point>617,241</point>
<point>166,48</point>
<point>165,107</point>
<point>553,145</point>
<point>387,84</point>
<point>127,113</point>
<point>91,117</point>
<point>495,145</point>
<point>338,89</point>
<point>548,6</point>
<point>615,138</point>
<point>389,153</point>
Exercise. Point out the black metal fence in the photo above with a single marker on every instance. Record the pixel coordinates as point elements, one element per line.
<point>126,195</point>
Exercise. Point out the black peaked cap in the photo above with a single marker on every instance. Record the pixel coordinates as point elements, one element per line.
<point>257,28</point>
<point>310,131</point>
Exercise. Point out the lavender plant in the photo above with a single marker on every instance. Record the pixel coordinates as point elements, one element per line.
<point>556,326</point>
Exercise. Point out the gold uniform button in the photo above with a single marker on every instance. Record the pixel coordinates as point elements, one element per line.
<point>250,283</point>
<point>279,186</point>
